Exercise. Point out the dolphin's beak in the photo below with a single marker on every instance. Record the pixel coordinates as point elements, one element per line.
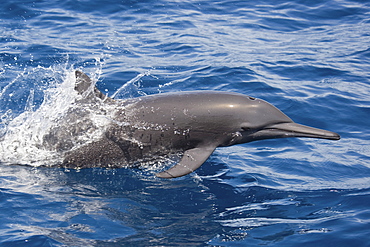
<point>292,129</point>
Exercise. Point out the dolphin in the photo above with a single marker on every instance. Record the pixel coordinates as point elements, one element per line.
<point>192,124</point>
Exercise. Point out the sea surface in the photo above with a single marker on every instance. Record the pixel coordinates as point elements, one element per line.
<point>311,59</point>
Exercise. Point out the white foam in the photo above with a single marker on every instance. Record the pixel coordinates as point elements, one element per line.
<point>23,138</point>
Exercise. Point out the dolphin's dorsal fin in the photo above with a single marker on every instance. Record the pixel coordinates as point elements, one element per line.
<point>83,86</point>
<point>190,161</point>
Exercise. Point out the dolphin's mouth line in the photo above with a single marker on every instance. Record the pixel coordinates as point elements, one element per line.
<point>291,129</point>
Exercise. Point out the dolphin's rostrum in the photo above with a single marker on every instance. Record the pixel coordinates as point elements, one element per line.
<point>193,123</point>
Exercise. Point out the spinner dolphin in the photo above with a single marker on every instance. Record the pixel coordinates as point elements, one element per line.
<point>192,123</point>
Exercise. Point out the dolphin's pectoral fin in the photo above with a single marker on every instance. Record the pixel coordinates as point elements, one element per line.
<point>84,83</point>
<point>191,160</point>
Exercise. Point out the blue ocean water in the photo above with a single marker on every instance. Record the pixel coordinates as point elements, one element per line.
<point>311,59</point>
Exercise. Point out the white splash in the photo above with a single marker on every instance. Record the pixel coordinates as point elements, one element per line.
<point>23,139</point>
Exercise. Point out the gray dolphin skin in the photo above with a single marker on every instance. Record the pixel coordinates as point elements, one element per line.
<point>192,123</point>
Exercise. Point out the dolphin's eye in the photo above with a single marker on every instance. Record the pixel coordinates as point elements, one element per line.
<point>251,98</point>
